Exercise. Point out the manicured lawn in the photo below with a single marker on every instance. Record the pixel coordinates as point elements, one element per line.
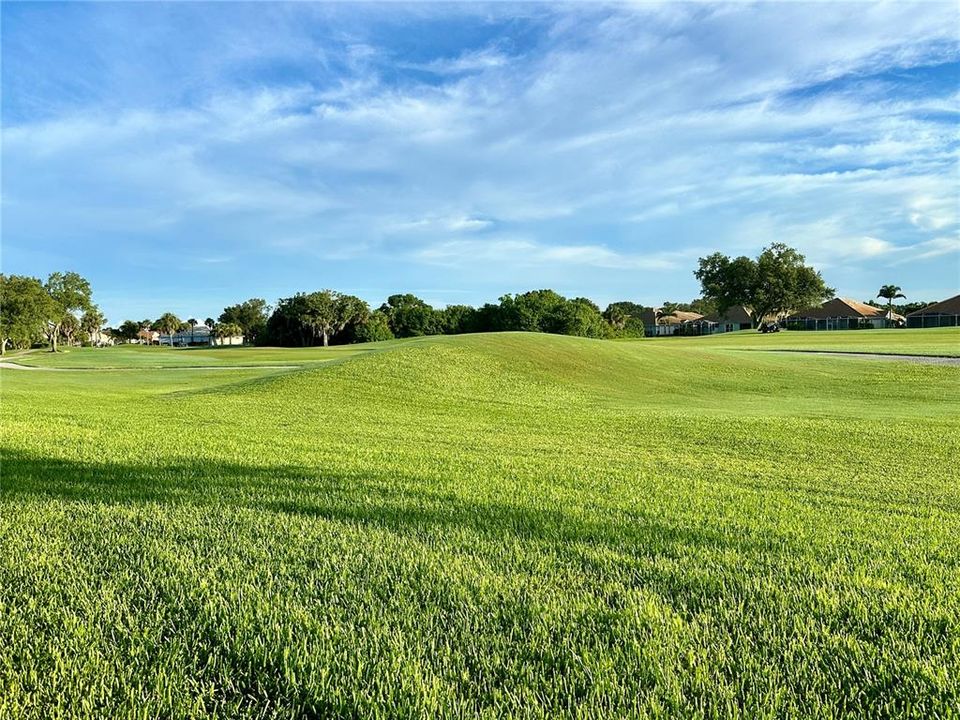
<point>927,341</point>
<point>141,356</point>
<point>492,525</point>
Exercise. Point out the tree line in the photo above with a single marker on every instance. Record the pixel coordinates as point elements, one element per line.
<point>61,309</point>
<point>329,317</point>
<point>777,281</point>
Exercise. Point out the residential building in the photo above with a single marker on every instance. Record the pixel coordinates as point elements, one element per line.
<point>945,313</point>
<point>843,314</point>
<point>199,335</point>
<point>655,322</point>
<point>735,318</point>
<point>101,338</point>
<point>148,337</point>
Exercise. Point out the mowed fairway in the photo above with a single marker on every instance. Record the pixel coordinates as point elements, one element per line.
<point>504,525</point>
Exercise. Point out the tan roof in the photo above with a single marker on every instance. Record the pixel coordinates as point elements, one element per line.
<point>950,306</point>
<point>674,318</point>
<point>678,317</point>
<point>841,308</point>
<point>736,314</point>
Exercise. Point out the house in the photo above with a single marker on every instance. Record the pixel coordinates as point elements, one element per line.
<point>148,337</point>
<point>842,314</point>
<point>945,313</point>
<point>735,318</point>
<point>231,340</point>
<point>101,338</point>
<point>655,322</point>
<point>199,335</point>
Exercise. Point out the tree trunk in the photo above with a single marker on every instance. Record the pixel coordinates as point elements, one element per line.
<point>3,347</point>
<point>326,339</point>
<point>53,338</point>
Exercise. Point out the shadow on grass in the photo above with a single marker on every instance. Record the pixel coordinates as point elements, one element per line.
<point>599,542</point>
<point>404,504</point>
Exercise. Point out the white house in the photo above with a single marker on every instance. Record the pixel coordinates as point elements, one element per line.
<point>101,338</point>
<point>197,336</point>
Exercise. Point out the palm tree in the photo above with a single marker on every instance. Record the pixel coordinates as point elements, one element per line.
<point>227,330</point>
<point>890,293</point>
<point>617,317</point>
<point>168,323</point>
<point>192,322</point>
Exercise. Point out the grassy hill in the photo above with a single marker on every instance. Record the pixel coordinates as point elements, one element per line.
<point>494,525</point>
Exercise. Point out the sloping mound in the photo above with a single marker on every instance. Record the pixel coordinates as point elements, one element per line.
<point>499,369</point>
<point>553,372</point>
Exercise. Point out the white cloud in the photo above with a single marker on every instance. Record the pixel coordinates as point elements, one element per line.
<point>525,252</point>
<point>652,131</point>
<point>467,224</point>
<point>933,248</point>
<point>472,61</point>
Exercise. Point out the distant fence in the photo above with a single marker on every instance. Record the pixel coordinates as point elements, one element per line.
<point>933,321</point>
<point>830,324</point>
<point>703,327</point>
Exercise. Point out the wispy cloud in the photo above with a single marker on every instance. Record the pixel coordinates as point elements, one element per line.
<point>529,253</point>
<point>471,61</point>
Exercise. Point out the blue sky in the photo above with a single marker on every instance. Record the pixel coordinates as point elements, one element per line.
<point>187,156</point>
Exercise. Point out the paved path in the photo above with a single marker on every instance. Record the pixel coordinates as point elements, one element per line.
<point>15,366</point>
<point>922,359</point>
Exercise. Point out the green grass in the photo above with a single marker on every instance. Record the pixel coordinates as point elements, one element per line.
<point>927,341</point>
<point>493,525</point>
<point>142,356</point>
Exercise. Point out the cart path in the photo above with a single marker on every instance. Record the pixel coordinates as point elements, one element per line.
<point>15,366</point>
<point>922,359</point>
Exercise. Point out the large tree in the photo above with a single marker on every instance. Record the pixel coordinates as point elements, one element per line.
<point>69,327</point>
<point>128,330</point>
<point>69,293</point>
<point>374,329</point>
<point>25,308</point>
<point>323,316</point>
<point>251,316</point>
<point>532,311</point>
<point>455,319</point>
<point>777,282</point>
<point>168,324</point>
<point>409,316</point>
<point>330,312</point>
<point>579,316</point>
<point>626,318</point>
<point>287,325</point>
